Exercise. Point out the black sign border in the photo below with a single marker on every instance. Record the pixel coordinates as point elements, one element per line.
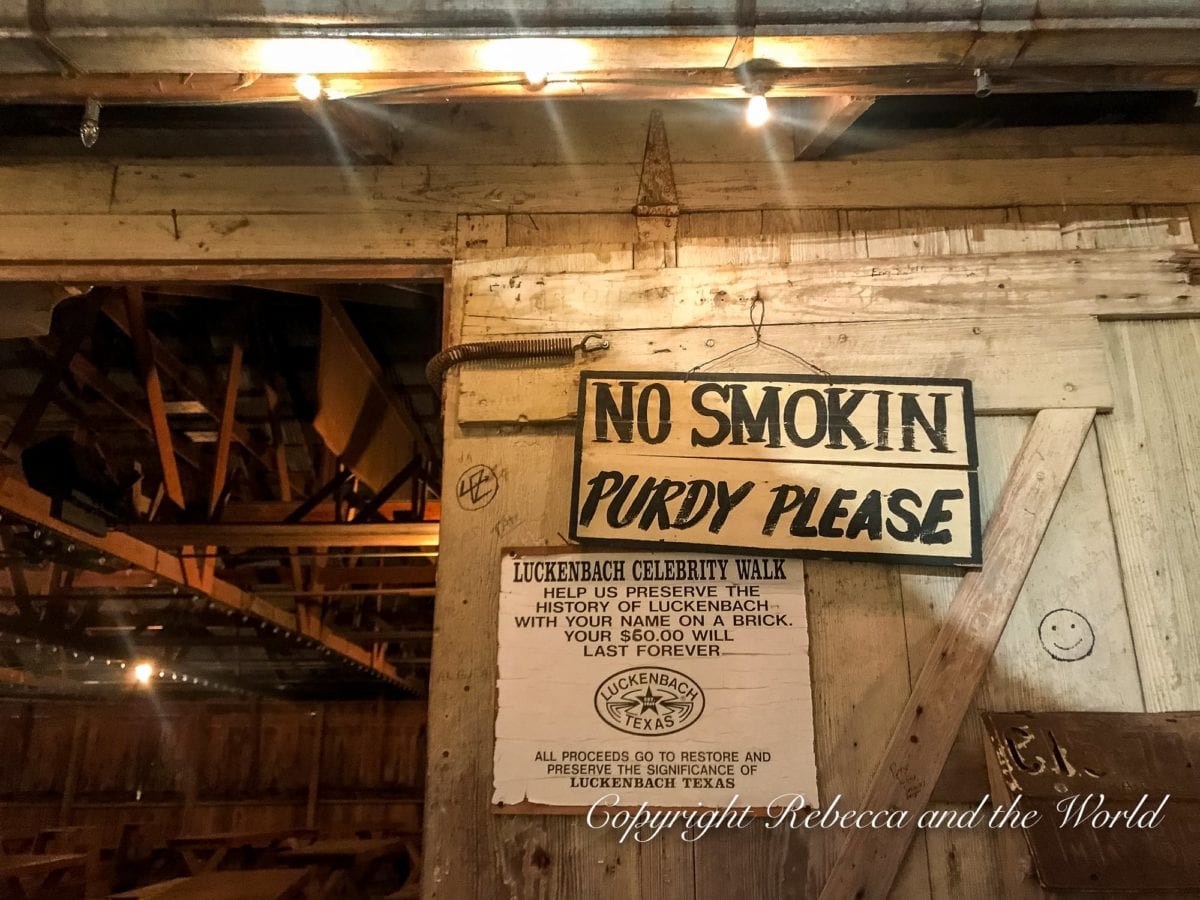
<point>972,468</point>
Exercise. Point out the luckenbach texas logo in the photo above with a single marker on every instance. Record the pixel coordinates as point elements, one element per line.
<point>649,701</point>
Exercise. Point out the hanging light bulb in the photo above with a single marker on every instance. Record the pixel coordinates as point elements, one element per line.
<point>757,111</point>
<point>309,87</point>
<point>142,673</point>
<point>536,78</point>
<point>89,125</point>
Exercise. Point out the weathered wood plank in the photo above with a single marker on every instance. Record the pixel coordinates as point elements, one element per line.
<point>164,236</point>
<point>549,229</point>
<point>1015,366</point>
<point>583,133</point>
<point>594,188</point>
<point>1110,284</point>
<point>201,189</point>
<point>69,189</point>
<point>504,855</point>
<point>555,259</point>
<point>823,120</point>
<point>480,235</point>
<point>1075,568</point>
<point>1150,445</point>
<point>858,684</point>
<point>1016,143</point>
<point>989,183</point>
<point>868,861</point>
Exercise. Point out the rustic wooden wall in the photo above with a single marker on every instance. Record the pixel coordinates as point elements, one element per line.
<point>192,766</point>
<point>855,244</point>
<point>1121,548</point>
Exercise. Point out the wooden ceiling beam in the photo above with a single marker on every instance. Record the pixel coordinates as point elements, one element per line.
<point>174,368</point>
<point>221,462</point>
<point>88,375</point>
<point>200,271</point>
<point>20,500</point>
<point>303,534</point>
<point>267,511</point>
<point>823,121</point>
<point>135,311</point>
<point>361,129</point>
<point>659,84</point>
<point>49,385</point>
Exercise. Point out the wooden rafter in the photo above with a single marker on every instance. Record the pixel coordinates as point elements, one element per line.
<point>49,385</point>
<point>365,134</point>
<point>21,501</point>
<point>823,121</point>
<point>283,476</point>
<point>250,511</point>
<point>690,83</point>
<point>174,368</point>
<point>135,310</point>
<point>405,534</point>
<point>221,463</point>
<point>86,373</point>
<point>334,317</point>
<point>868,860</point>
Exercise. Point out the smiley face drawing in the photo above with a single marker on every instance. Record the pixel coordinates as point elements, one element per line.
<point>1067,635</point>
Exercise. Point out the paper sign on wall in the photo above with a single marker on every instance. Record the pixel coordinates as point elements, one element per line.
<point>871,468</point>
<point>667,679</point>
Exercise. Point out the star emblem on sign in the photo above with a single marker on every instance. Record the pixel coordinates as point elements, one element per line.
<point>649,700</point>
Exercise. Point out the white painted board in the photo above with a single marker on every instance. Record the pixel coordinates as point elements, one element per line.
<point>676,680</point>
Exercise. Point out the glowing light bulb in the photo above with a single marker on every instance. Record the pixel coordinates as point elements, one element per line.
<point>142,673</point>
<point>535,79</point>
<point>757,111</point>
<point>309,87</point>
<point>537,59</point>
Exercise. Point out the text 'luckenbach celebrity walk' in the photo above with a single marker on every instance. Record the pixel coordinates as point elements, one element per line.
<point>791,811</point>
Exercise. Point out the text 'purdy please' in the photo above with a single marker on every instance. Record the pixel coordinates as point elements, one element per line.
<point>787,464</point>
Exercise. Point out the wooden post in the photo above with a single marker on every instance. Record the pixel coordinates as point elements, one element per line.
<point>869,860</point>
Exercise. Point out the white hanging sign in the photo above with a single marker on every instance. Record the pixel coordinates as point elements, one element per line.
<point>667,679</point>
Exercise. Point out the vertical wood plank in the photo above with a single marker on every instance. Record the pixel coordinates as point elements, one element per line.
<point>861,680</point>
<point>472,852</point>
<point>1150,444</point>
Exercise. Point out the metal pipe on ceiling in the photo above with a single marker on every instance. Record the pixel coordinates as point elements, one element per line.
<point>273,36</point>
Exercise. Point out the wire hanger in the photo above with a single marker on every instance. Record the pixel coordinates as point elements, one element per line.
<point>758,314</point>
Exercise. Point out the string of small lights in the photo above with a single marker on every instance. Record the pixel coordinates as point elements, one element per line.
<point>139,672</point>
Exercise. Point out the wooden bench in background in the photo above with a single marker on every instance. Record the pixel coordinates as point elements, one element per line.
<point>255,884</point>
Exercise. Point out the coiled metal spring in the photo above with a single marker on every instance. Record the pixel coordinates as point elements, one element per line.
<point>514,349</point>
